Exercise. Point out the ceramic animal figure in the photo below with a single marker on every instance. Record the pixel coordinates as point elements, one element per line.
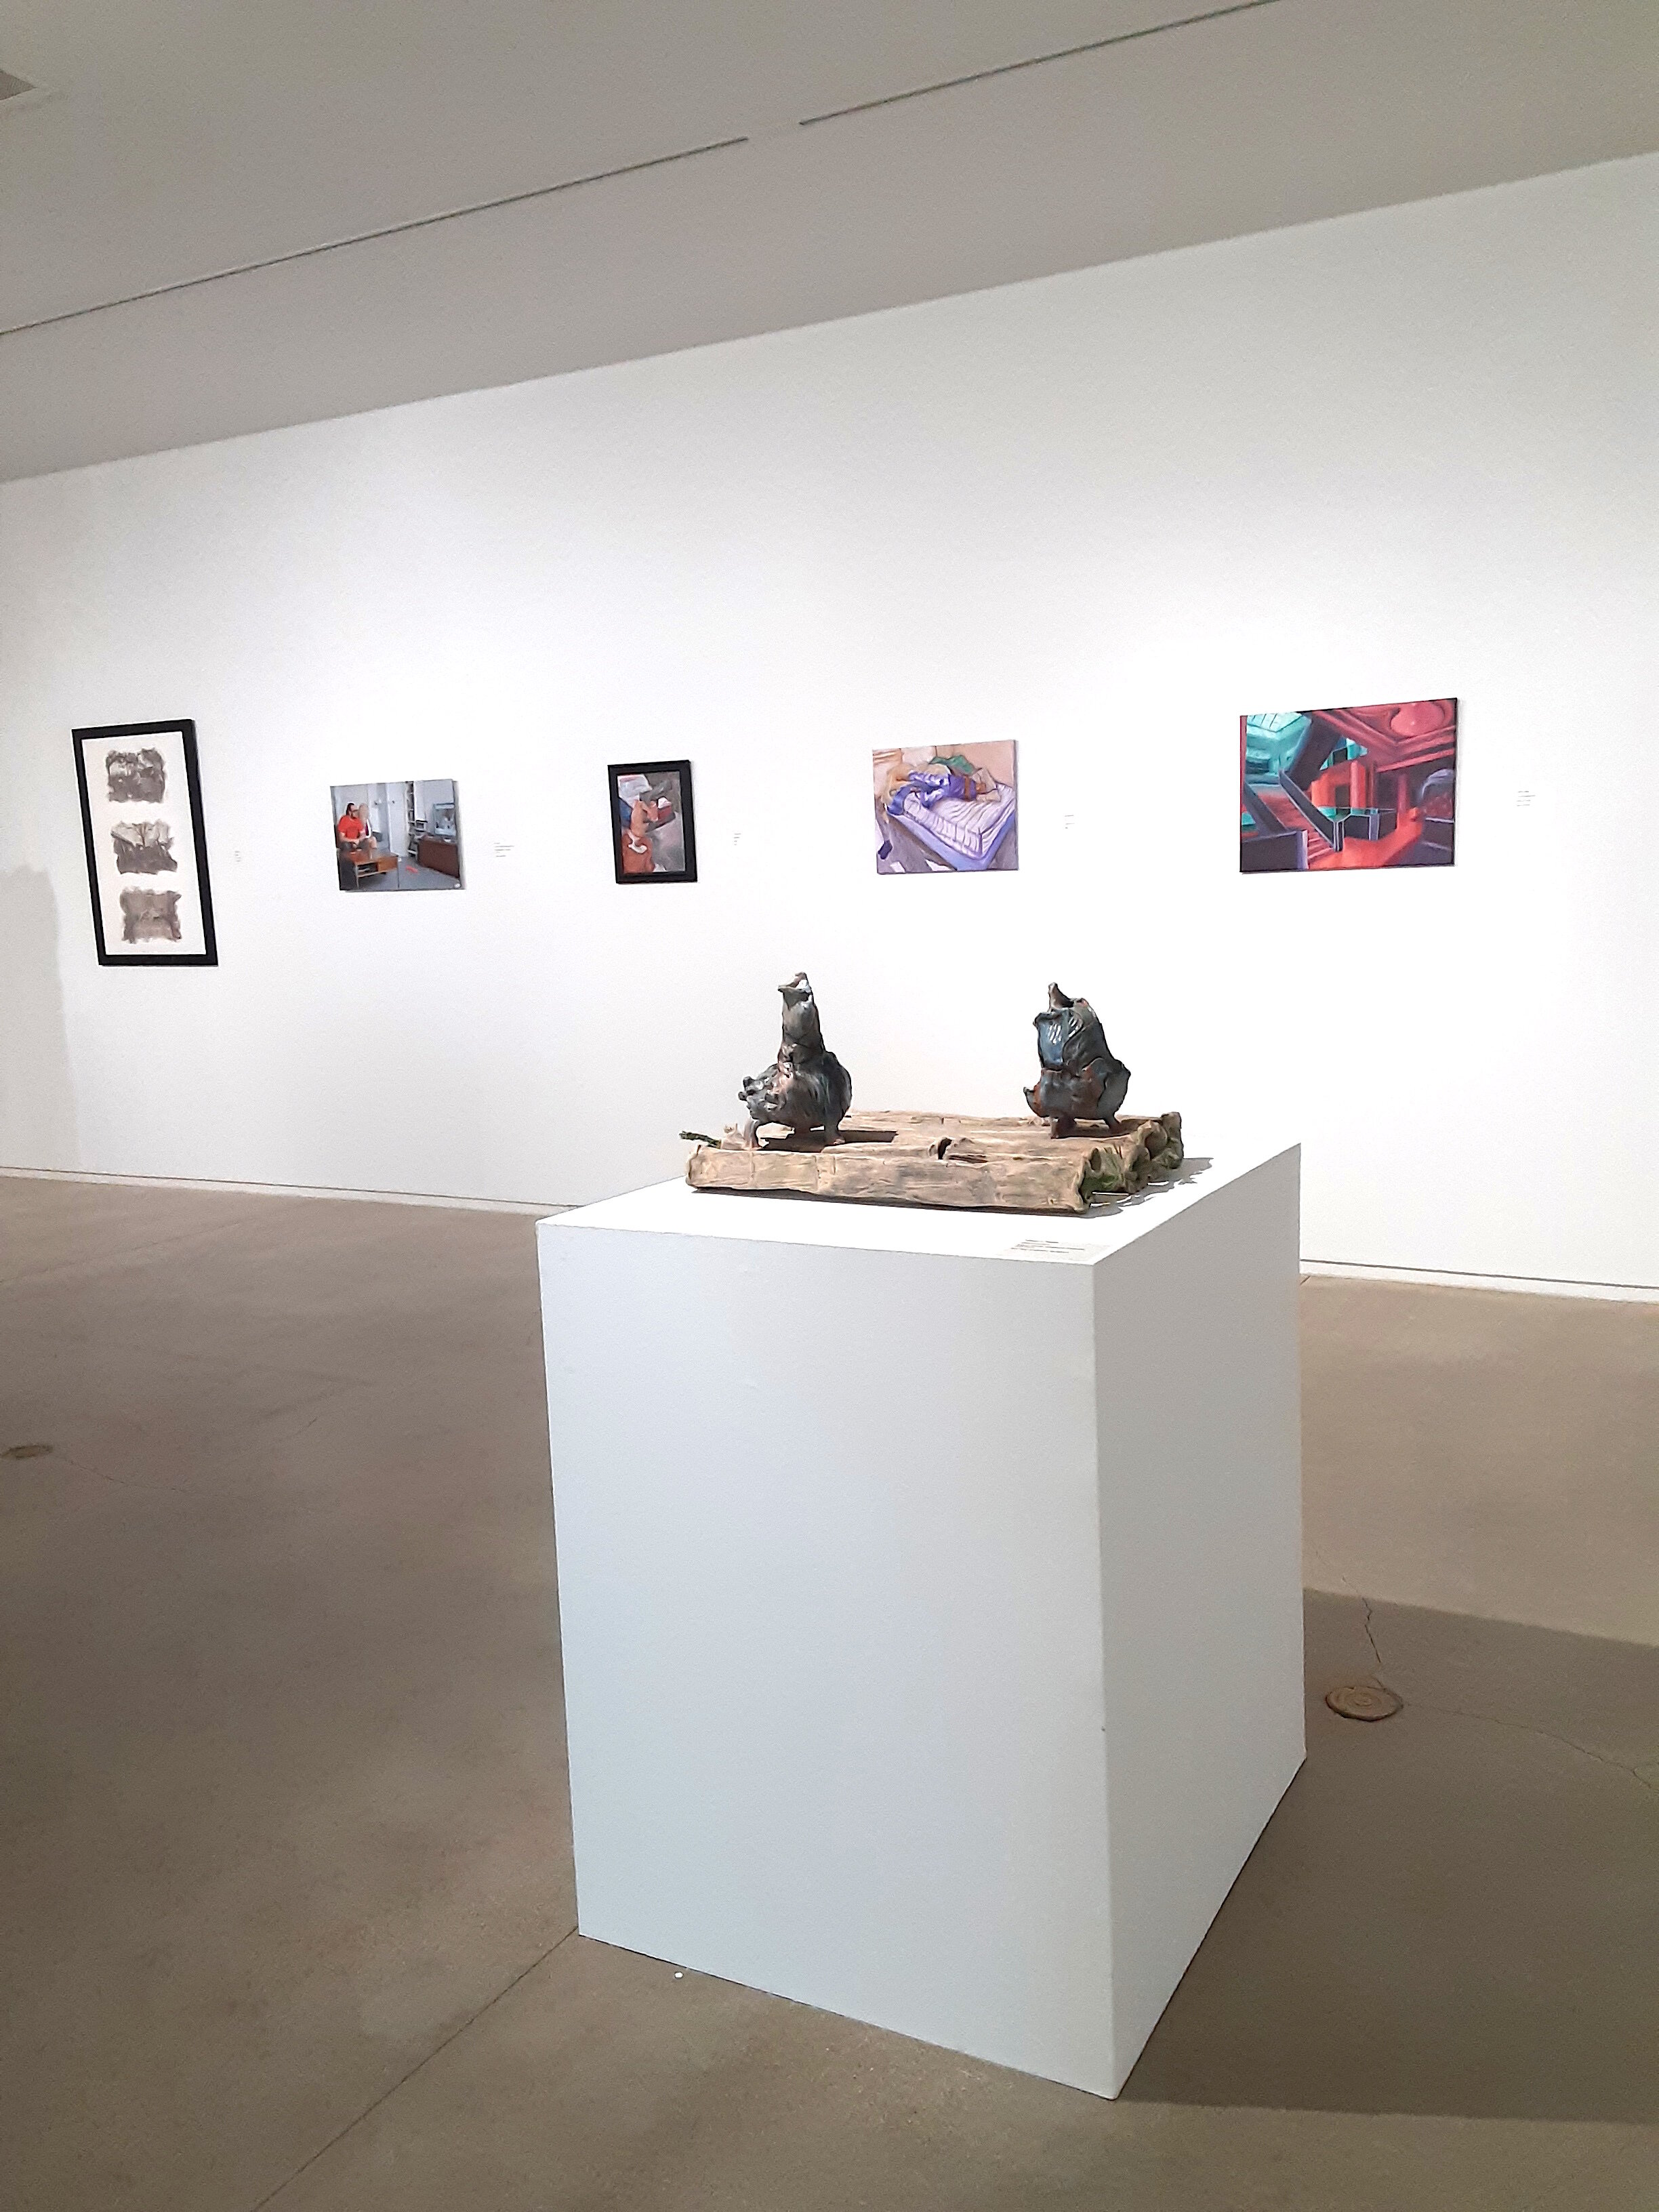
<point>1079,1079</point>
<point>806,1087</point>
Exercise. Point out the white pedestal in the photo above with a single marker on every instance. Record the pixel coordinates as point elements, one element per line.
<point>931,1593</point>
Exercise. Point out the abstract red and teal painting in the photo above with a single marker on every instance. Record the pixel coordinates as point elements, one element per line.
<point>1348,786</point>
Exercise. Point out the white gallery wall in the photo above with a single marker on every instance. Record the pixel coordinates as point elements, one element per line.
<point>1397,454</point>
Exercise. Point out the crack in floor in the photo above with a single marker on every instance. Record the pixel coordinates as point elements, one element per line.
<point>1549,1735</point>
<point>1500,1720</point>
<point>437,2050</point>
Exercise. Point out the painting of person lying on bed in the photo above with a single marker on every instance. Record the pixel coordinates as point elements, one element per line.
<point>951,810</point>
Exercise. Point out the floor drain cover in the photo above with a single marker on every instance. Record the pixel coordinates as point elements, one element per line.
<point>1364,1701</point>
<point>25,1451</point>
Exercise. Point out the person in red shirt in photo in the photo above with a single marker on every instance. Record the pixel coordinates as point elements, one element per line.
<point>351,829</point>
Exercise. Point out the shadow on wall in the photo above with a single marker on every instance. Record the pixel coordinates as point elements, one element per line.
<point>37,1091</point>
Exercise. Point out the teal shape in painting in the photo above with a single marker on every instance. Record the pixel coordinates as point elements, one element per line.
<point>1271,742</point>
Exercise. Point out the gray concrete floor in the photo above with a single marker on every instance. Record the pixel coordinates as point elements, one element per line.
<point>285,1891</point>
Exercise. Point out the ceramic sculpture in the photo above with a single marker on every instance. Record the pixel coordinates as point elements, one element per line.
<point>806,1087</point>
<point>819,1149</point>
<point>1080,1079</point>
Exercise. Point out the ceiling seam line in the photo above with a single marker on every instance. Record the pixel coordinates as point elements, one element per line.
<point>1036,61</point>
<point>370,237</point>
<point>626,170</point>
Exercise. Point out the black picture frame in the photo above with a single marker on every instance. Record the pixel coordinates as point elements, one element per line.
<point>185,730</point>
<point>625,856</point>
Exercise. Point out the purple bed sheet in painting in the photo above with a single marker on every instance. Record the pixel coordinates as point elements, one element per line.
<point>965,833</point>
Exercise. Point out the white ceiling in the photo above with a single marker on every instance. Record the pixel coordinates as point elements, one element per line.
<point>192,136</point>
<point>179,155</point>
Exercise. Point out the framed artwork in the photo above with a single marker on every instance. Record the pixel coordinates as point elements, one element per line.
<point>951,811</point>
<point>396,836</point>
<point>141,812</point>
<point>1327,787</point>
<point>654,836</point>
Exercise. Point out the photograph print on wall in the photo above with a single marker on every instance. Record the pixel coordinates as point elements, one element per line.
<point>949,812</point>
<point>653,838</point>
<point>140,814</point>
<point>1330,787</point>
<point>400,836</point>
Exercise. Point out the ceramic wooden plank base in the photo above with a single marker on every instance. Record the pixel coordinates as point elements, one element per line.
<point>959,1160</point>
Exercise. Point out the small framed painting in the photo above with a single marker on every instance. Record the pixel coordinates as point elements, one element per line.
<point>141,811</point>
<point>653,834</point>
<point>403,836</point>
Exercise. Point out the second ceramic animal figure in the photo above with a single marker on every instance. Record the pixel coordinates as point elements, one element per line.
<point>806,1087</point>
<point>1080,1079</point>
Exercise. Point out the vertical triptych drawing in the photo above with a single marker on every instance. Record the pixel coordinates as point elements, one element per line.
<point>141,811</point>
